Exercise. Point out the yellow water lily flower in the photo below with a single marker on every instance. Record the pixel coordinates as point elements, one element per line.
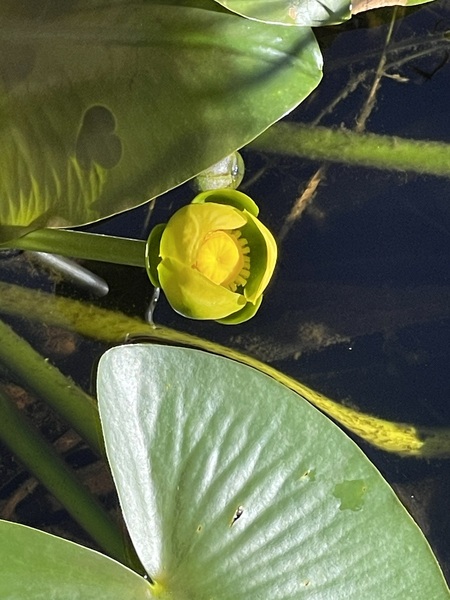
<point>214,258</point>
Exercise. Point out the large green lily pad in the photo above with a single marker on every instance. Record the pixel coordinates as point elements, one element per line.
<point>37,566</point>
<point>312,13</point>
<point>104,105</point>
<point>234,487</point>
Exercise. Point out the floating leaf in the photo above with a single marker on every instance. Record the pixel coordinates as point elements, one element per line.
<point>359,6</point>
<point>105,105</point>
<point>36,565</point>
<point>234,487</point>
<point>313,13</point>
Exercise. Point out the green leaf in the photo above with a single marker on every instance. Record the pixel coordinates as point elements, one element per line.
<point>39,566</point>
<point>416,2</point>
<point>359,6</point>
<point>105,105</point>
<point>313,13</point>
<point>234,487</point>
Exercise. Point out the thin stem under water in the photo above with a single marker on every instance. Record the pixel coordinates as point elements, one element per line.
<point>116,327</point>
<point>80,244</point>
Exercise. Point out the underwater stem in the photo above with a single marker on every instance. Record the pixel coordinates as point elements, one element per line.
<point>48,383</point>
<point>364,149</point>
<point>41,459</point>
<point>80,244</point>
<point>114,327</point>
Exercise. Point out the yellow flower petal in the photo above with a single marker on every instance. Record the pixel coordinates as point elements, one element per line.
<point>272,254</point>
<point>263,253</point>
<point>242,315</point>
<point>188,227</point>
<point>193,295</point>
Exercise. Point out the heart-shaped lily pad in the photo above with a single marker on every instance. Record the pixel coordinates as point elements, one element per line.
<point>105,105</point>
<point>39,566</point>
<point>313,13</point>
<point>234,487</point>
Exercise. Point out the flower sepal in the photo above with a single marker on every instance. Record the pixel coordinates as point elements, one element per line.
<point>229,197</point>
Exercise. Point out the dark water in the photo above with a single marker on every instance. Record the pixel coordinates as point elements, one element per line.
<point>360,304</point>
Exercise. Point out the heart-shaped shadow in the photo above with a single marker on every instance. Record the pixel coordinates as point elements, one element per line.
<point>16,63</point>
<point>97,141</point>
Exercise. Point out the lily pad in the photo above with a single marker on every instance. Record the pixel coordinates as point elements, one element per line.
<point>313,13</point>
<point>37,566</point>
<point>234,487</point>
<point>105,105</point>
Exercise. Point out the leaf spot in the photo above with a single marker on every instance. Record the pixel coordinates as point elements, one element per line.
<point>351,494</point>
<point>237,515</point>
<point>309,475</point>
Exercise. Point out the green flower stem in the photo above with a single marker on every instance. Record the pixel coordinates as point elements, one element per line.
<point>79,244</point>
<point>114,327</point>
<point>41,459</point>
<point>364,149</point>
<point>44,380</point>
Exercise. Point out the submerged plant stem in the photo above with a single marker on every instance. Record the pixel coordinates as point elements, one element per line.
<point>115,327</point>
<point>363,149</point>
<point>79,244</point>
<point>41,459</point>
<point>45,381</point>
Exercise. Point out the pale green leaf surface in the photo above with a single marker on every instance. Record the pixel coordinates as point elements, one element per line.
<point>416,2</point>
<point>38,566</point>
<point>359,6</point>
<point>313,13</point>
<point>105,105</point>
<point>195,439</point>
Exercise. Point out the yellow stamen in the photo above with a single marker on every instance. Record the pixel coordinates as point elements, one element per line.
<point>223,259</point>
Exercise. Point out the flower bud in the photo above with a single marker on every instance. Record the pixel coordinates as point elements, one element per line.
<point>214,258</point>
